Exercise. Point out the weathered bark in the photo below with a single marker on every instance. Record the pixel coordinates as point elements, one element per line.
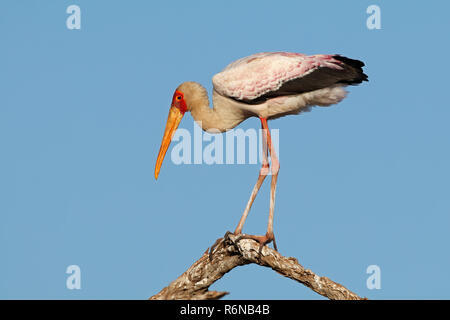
<point>193,284</point>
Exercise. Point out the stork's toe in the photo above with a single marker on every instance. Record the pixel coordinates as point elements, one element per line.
<point>218,243</point>
<point>262,240</point>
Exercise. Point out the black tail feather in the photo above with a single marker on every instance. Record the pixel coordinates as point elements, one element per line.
<point>357,66</point>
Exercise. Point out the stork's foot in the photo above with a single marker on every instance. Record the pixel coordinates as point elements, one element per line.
<point>219,242</point>
<point>263,240</point>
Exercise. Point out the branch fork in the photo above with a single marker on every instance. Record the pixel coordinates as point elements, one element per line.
<point>233,251</point>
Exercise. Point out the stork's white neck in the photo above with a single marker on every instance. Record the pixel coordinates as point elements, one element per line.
<point>224,116</point>
<point>207,118</point>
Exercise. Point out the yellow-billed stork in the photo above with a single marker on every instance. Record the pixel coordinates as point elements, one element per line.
<point>267,85</point>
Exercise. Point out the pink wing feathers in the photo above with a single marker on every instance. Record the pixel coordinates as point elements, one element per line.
<point>264,73</point>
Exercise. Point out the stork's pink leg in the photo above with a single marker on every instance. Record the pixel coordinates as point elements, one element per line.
<point>273,187</point>
<point>262,175</point>
<point>275,167</point>
<point>269,236</point>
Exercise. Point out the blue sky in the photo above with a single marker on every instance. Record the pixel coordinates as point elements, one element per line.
<point>82,114</point>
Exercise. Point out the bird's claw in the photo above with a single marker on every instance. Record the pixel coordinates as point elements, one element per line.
<point>218,243</point>
<point>262,240</point>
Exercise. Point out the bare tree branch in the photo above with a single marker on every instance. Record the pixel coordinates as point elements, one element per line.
<point>193,284</point>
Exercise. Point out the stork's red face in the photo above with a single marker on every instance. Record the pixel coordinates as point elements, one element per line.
<point>176,113</point>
